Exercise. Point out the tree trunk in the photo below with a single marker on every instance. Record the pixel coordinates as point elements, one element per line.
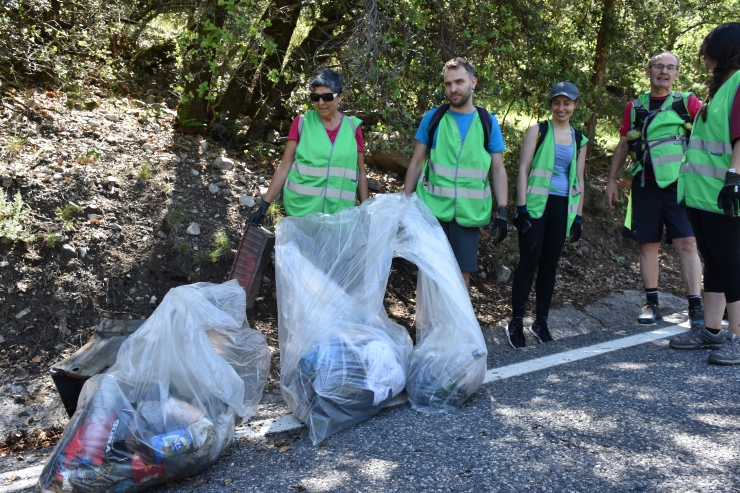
<point>283,18</point>
<point>603,42</point>
<point>283,15</point>
<point>193,113</point>
<point>236,92</point>
<point>272,111</point>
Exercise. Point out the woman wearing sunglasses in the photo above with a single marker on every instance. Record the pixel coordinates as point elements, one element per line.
<point>549,209</point>
<point>323,166</point>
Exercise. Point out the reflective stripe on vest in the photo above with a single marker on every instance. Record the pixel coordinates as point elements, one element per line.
<point>709,153</point>
<point>351,174</point>
<point>538,191</point>
<point>457,172</point>
<point>332,193</point>
<point>540,177</point>
<point>462,193</point>
<point>704,170</point>
<point>454,181</point>
<point>324,176</point>
<point>541,173</point>
<point>716,148</point>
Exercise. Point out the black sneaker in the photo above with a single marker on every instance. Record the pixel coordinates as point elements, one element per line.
<point>515,333</point>
<point>696,316</point>
<point>540,331</point>
<point>649,314</point>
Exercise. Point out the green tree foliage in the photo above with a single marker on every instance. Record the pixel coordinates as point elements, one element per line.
<point>61,42</point>
<point>252,58</point>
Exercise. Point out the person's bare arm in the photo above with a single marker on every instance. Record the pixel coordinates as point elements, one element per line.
<point>618,159</point>
<point>580,170</point>
<point>526,155</point>
<point>281,174</point>
<point>415,166</point>
<point>362,178</point>
<point>500,181</point>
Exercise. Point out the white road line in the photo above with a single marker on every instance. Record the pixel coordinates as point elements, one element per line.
<point>289,422</point>
<point>28,477</point>
<point>24,478</point>
<point>577,354</point>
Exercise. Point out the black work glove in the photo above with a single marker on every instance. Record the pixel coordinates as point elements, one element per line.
<point>500,226</point>
<point>729,197</point>
<point>576,229</point>
<point>522,222</point>
<point>257,215</point>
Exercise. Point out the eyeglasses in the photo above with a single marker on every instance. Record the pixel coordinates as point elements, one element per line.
<point>659,67</point>
<point>327,97</point>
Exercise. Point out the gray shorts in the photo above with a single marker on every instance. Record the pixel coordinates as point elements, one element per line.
<point>464,243</point>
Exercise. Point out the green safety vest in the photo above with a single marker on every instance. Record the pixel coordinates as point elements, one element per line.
<point>664,137</point>
<point>454,180</point>
<point>540,177</point>
<point>710,152</point>
<point>324,176</point>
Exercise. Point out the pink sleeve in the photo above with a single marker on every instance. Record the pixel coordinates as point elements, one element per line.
<point>694,106</point>
<point>735,118</point>
<point>360,140</point>
<point>293,132</point>
<point>626,120</point>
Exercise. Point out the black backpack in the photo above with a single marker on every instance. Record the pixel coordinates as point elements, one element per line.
<point>440,112</point>
<point>543,127</point>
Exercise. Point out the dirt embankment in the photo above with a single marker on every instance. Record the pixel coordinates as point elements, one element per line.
<point>113,195</point>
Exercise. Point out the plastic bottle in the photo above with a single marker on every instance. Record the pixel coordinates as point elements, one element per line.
<point>93,437</point>
<point>172,444</point>
<point>99,416</point>
<point>182,412</point>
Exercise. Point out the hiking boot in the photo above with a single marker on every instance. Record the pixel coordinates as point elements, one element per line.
<point>649,314</point>
<point>696,316</point>
<point>515,333</point>
<point>729,353</point>
<point>697,338</point>
<point>540,331</point>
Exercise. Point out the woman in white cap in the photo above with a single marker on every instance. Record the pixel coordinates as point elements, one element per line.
<point>549,209</point>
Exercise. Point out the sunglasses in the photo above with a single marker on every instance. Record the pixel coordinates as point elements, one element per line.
<point>327,97</point>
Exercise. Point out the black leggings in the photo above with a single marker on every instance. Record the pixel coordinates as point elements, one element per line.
<point>718,239</point>
<point>539,251</point>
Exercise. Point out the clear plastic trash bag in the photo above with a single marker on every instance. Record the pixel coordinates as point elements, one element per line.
<point>448,363</point>
<point>167,407</point>
<point>342,359</point>
<point>331,272</point>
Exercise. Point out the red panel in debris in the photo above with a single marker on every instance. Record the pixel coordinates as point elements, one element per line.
<point>251,259</point>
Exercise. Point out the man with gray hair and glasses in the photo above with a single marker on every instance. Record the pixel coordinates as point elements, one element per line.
<point>655,131</point>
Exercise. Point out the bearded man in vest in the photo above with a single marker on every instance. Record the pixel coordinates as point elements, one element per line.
<point>450,171</point>
<point>655,130</point>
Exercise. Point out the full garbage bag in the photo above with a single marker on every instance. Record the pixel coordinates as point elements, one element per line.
<point>336,341</point>
<point>167,407</point>
<point>342,359</point>
<point>448,362</point>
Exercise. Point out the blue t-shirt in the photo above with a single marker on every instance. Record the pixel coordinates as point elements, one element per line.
<point>463,120</point>
<point>561,168</point>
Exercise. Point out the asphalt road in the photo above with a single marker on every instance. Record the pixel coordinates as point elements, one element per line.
<point>640,418</point>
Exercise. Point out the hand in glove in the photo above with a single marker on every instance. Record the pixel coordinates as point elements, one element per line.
<point>729,197</point>
<point>500,226</point>
<point>257,215</point>
<point>521,220</point>
<point>576,229</point>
